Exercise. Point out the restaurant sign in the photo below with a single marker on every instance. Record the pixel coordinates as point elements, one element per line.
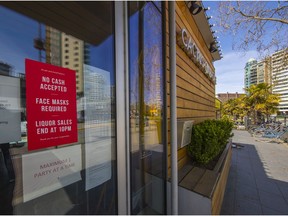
<point>190,48</point>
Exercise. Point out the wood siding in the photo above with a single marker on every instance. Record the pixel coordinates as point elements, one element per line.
<point>195,92</point>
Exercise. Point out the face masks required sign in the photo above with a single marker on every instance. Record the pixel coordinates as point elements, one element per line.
<point>51,105</point>
<point>10,125</point>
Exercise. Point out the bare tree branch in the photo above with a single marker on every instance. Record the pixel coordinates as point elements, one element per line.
<point>254,25</point>
<point>261,18</point>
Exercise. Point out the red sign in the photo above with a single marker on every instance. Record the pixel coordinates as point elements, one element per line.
<point>51,105</point>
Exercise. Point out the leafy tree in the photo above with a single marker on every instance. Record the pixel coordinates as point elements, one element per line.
<point>237,108</point>
<point>261,23</point>
<point>261,100</point>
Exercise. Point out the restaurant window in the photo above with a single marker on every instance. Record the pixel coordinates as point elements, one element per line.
<point>146,98</point>
<point>57,141</point>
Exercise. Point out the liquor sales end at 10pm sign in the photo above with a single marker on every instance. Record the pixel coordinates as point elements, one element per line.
<point>51,105</point>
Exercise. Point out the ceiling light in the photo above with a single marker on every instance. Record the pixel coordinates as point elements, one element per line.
<point>195,8</point>
<point>212,48</point>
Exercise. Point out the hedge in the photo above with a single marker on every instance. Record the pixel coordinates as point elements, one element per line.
<point>209,139</point>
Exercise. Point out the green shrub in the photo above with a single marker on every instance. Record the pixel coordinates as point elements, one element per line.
<point>209,139</point>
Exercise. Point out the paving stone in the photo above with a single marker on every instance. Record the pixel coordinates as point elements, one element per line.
<point>283,187</point>
<point>228,204</point>
<point>268,185</point>
<point>247,207</point>
<point>245,179</point>
<point>244,192</point>
<point>261,173</point>
<point>273,201</point>
<point>268,211</point>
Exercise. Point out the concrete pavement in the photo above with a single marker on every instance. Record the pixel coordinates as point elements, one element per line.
<point>258,177</point>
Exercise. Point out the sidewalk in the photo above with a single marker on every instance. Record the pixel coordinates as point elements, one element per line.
<point>258,178</point>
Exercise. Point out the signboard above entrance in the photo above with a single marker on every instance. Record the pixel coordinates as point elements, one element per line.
<point>190,48</point>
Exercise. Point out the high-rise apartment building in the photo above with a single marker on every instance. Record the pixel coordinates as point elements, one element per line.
<point>250,73</point>
<point>272,70</point>
<point>280,77</point>
<point>258,72</point>
<point>53,46</point>
<point>67,51</point>
<point>72,57</point>
<point>264,71</point>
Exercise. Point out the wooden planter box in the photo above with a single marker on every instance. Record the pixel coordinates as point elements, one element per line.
<point>201,190</point>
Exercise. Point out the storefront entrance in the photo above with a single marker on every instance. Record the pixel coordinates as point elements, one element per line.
<point>60,127</point>
<point>58,82</point>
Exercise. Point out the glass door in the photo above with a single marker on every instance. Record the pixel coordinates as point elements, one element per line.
<point>57,108</point>
<point>146,111</point>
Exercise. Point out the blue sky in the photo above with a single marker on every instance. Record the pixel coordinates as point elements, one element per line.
<point>230,69</point>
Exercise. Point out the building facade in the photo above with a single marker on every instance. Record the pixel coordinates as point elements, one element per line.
<point>258,72</point>
<point>273,71</point>
<point>85,119</point>
<point>264,71</point>
<point>280,77</point>
<point>250,73</point>
<point>224,97</point>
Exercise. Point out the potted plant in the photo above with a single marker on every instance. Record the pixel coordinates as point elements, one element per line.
<point>209,139</point>
<point>203,183</point>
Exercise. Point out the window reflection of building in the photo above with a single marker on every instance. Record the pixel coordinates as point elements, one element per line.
<point>5,69</point>
<point>97,94</point>
<point>53,46</point>
<point>67,51</point>
<point>146,102</point>
<point>155,100</point>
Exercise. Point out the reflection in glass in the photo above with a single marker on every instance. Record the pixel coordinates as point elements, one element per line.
<point>85,45</point>
<point>146,109</point>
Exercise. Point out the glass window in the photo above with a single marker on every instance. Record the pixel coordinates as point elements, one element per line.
<point>146,72</point>
<point>60,165</point>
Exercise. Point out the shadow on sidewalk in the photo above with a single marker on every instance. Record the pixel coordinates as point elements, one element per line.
<point>250,189</point>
